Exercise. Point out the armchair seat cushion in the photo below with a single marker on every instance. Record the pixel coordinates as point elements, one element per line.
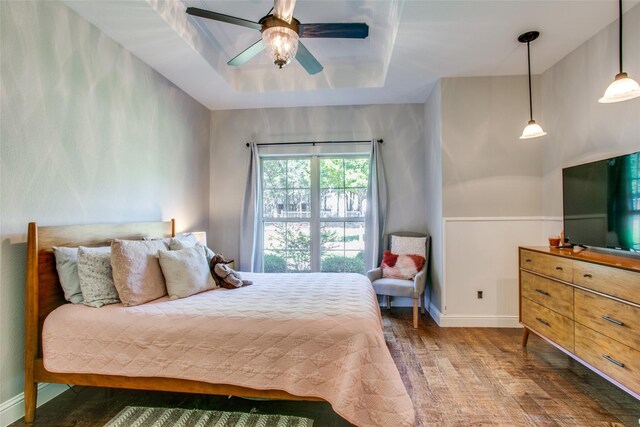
<point>394,287</point>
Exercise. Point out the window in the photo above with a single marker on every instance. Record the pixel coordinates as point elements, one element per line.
<point>313,213</point>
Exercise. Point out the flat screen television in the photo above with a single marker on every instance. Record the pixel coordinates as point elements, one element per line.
<point>601,202</point>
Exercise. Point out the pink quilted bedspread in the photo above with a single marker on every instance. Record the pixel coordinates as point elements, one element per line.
<point>315,334</point>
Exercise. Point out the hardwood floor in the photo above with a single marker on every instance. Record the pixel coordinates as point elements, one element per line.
<point>455,377</point>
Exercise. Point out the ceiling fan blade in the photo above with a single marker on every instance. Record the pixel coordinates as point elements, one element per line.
<point>307,60</point>
<point>247,54</point>
<point>347,30</point>
<point>223,18</point>
<point>283,9</point>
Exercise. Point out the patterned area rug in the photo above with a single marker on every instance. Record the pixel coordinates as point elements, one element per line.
<point>136,416</point>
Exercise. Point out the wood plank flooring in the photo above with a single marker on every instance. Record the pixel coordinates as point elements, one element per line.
<point>455,377</point>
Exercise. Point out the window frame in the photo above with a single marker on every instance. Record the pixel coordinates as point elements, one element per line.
<point>314,219</point>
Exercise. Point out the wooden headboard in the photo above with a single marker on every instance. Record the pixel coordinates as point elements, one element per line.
<point>43,291</point>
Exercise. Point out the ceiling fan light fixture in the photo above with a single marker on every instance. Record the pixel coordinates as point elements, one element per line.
<point>621,89</point>
<point>281,44</point>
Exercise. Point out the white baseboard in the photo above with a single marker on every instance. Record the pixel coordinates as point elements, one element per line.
<point>472,321</point>
<point>13,409</point>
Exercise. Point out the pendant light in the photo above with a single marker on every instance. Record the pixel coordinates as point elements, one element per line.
<point>623,88</point>
<point>532,130</point>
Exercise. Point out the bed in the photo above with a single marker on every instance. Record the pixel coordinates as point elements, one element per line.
<point>311,336</point>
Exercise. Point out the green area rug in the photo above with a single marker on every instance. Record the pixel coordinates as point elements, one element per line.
<point>136,416</point>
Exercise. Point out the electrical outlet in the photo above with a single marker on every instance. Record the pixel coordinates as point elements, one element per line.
<point>479,294</point>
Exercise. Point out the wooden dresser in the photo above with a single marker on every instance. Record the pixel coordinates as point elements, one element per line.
<point>588,305</point>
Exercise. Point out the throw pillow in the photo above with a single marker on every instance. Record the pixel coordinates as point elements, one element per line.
<point>188,241</point>
<point>96,280</point>
<point>67,266</point>
<point>404,245</point>
<point>401,266</point>
<point>136,270</point>
<point>182,242</point>
<point>186,271</point>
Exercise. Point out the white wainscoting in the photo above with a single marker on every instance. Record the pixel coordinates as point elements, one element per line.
<point>481,254</point>
<point>13,409</point>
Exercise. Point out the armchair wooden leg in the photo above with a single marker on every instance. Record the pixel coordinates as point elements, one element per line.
<point>415,313</point>
<point>421,302</point>
<point>388,302</point>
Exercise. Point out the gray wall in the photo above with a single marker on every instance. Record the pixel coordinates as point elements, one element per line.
<point>89,134</point>
<point>486,170</point>
<point>482,181</point>
<point>433,207</point>
<point>581,129</point>
<point>401,127</point>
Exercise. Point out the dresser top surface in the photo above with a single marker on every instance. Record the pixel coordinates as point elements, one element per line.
<point>626,262</point>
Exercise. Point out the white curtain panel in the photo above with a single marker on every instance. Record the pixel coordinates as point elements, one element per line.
<point>250,241</point>
<point>376,214</point>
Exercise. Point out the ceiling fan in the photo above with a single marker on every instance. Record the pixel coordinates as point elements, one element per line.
<point>280,34</point>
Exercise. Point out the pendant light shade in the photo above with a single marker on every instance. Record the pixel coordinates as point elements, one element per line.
<point>623,88</point>
<point>532,130</point>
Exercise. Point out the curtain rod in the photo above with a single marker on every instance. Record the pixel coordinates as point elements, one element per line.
<point>314,142</point>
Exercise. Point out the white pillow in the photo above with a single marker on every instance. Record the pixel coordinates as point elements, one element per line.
<point>186,271</point>
<point>405,245</point>
<point>182,242</point>
<point>96,279</point>
<point>189,241</point>
<point>67,266</point>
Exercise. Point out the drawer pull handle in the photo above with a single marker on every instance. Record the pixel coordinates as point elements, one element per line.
<point>559,268</point>
<point>544,322</point>
<point>527,260</point>
<point>614,361</point>
<point>545,293</point>
<point>587,275</point>
<point>617,322</point>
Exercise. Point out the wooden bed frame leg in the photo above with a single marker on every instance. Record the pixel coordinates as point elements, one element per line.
<point>415,313</point>
<point>30,399</point>
<point>525,337</point>
<point>31,324</point>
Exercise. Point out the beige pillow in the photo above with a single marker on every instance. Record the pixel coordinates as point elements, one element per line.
<point>186,271</point>
<point>136,270</point>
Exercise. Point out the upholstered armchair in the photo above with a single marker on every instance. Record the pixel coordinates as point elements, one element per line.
<point>403,243</point>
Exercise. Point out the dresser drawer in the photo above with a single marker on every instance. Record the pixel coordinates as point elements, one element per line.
<point>548,323</point>
<point>612,318</point>
<point>549,265</point>
<point>620,362</point>
<point>548,293</point>
<point>620,283</point>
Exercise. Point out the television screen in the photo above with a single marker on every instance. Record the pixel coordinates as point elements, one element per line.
<point>602,203</point>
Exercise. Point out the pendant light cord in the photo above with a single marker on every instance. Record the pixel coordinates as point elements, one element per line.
<point>620,35</point>
<point>529,68</point>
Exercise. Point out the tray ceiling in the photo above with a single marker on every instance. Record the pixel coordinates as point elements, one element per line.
<point>411,45</point>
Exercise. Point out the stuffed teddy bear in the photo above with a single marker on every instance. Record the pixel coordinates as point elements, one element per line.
<point>224,276</point>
